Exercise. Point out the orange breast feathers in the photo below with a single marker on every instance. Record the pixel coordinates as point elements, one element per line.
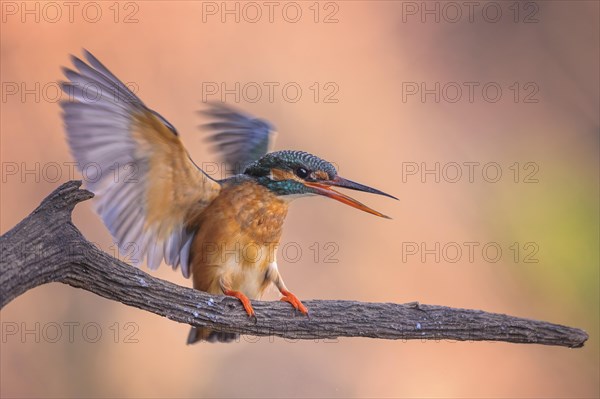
<point>236,239</point>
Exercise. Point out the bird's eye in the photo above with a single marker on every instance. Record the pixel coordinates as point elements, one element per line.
<point>302,173</point>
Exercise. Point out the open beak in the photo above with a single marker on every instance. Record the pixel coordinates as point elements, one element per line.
<point>324,188</point>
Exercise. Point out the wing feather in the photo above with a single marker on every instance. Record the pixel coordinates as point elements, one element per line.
<point>149,188</point>
<point>240,138</point>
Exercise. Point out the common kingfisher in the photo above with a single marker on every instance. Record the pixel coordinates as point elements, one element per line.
<point>152,196</point>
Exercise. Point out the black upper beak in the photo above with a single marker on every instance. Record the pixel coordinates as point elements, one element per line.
<point>345,183</point>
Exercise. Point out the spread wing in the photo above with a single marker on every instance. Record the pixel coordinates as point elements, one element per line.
<point>240,138</point>
<point>133,159</point>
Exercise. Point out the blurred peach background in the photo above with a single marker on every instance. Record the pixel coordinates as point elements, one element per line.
<point>367,57</point>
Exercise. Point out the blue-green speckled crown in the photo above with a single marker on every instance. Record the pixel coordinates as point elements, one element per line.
<point>289,160</point>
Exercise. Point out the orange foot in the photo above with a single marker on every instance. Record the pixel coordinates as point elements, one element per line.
<point>244,299</point>
<point>291,298</point>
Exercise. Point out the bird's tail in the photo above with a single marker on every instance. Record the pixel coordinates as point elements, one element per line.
<point>206,334</point>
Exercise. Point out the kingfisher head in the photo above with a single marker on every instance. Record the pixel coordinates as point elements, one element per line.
<point>298,173</point>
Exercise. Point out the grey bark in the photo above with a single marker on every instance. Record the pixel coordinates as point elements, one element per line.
<point>46,247</point>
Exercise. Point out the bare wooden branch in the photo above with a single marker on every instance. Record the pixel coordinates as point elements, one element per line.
<point>46,247</point>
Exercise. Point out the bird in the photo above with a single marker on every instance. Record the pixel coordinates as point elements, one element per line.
<point>223,233</point>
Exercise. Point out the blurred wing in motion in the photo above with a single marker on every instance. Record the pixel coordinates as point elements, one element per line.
<point>240,138</point>
<point>148,186</point>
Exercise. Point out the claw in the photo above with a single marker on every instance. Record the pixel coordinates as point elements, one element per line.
<point>244,300</point>
<point>294,301</point>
